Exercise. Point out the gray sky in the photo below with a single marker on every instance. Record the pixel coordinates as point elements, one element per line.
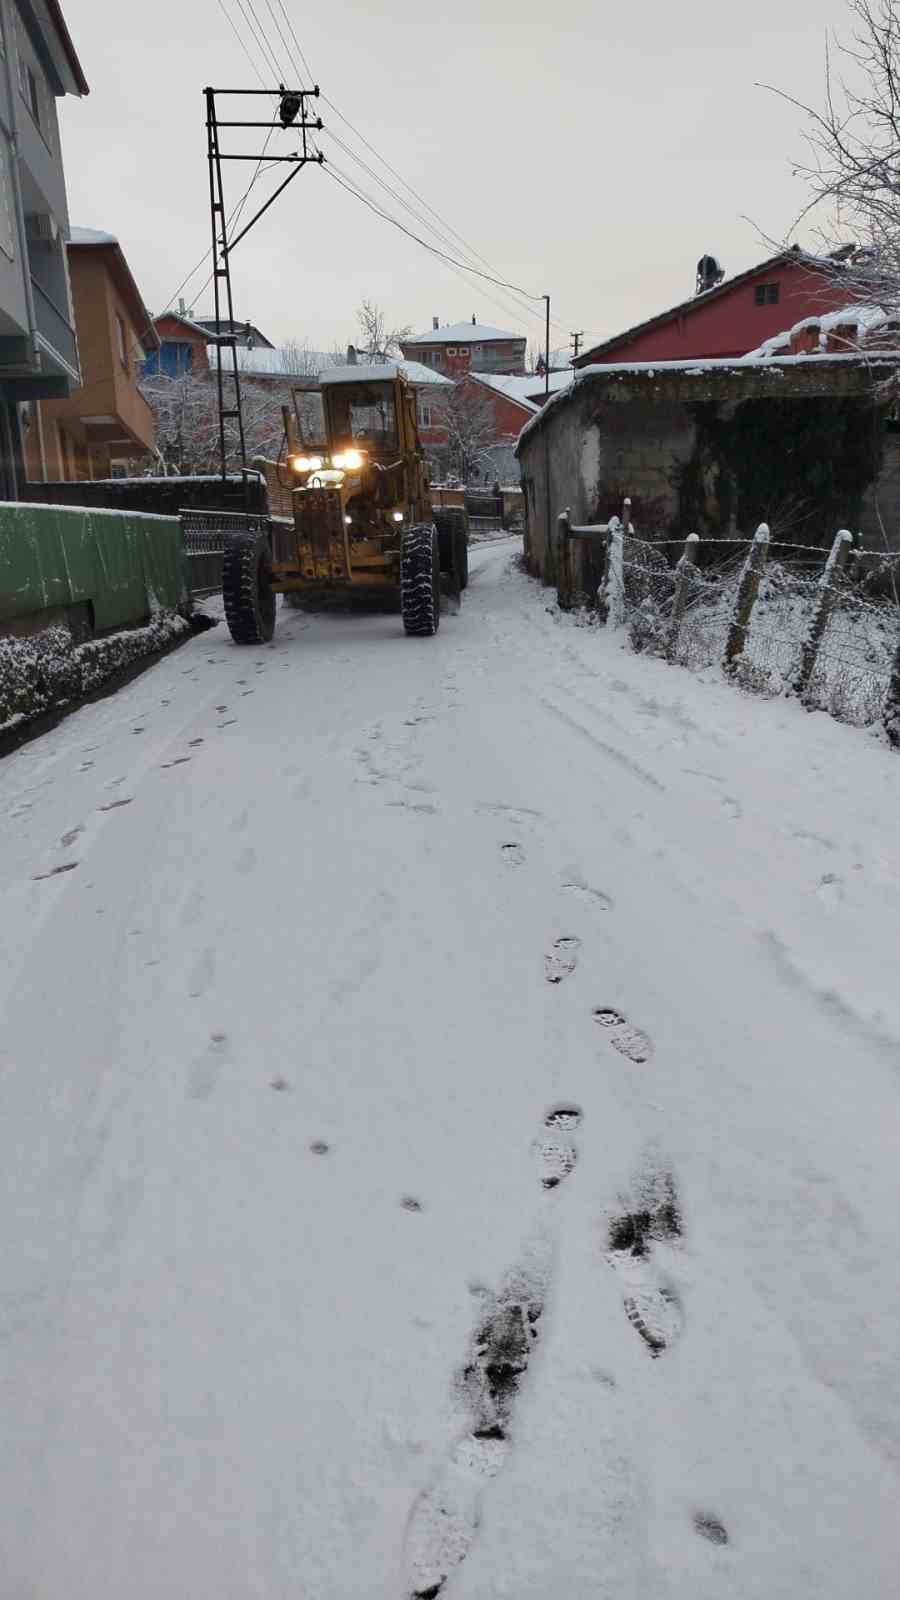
<point>594,151</point>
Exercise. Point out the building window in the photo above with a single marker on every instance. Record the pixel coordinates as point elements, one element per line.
<point>118,468</point>
<point>120,335</point>
<point>425,416</point>
<point>451,349</point>
<point>767,294</point>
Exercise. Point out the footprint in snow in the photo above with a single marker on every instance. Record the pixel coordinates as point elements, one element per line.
<point>651,1302</point>
<point>628,1040</point>
<point>709,1527</point>
<point>67,866</point>
<point>555,1151</point>
<point>116,805</point>
<point>513,854</point>
<point>445,1518</point>
<point>830,890</point>
<point>68,839</point>
<point>562,959</point>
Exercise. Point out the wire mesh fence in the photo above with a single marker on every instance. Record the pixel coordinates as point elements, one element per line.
<point>203,538</point>
<point>826,627</point>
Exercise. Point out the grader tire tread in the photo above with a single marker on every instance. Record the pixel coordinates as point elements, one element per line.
<point>247,588</point>
<point>420,594</point>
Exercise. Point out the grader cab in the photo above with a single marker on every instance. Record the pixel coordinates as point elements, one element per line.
<point>362,513</point>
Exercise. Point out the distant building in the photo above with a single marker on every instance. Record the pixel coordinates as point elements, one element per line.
<point>731,317</point>
<point>38,348</point>
<point>99,428</point>
<point>466,347</point>
<point>184,341</point>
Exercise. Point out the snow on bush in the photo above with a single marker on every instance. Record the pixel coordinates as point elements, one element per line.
<point>47,670</point>
<point>854,668</point>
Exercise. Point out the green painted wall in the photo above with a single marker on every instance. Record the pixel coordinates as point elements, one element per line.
<point>56,556</point>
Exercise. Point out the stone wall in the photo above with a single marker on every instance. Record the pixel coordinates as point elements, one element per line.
<point>670,439</point>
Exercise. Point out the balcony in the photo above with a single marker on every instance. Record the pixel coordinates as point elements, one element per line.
<point>56,336</point>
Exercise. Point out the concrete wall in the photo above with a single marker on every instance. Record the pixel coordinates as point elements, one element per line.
<point>53,558</point>
<point>633,433</point>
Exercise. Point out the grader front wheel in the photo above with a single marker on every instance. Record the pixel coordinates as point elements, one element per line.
<point>420,581</point>
<point>247,588</point>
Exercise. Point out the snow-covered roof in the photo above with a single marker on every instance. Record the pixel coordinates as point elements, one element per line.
<point>527,391</point>
<point>699,368</point>
<point>413,371</point>
<point>463,333</point>
<point>864,318</point>
<point>287,361</point>
<point>90,236</point>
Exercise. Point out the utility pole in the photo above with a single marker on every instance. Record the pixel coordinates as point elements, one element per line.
<point>575,341</point>
<point>291,114</point>
<point>546,299</point>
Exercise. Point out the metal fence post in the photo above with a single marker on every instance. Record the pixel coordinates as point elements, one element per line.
<point>748,589</point>
<point>825,603</point>
<point>683,571</point>
<point>564,565</point>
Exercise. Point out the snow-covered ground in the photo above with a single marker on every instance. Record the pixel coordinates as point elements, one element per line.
<point>343,1254</point>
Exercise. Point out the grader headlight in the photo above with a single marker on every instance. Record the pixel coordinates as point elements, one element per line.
<point>348,460</point>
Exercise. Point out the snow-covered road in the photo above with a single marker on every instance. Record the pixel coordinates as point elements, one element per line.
<point>343,1255</point>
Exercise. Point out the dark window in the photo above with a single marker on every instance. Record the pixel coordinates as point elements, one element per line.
<point>33,98</point>
<point>767,294</point>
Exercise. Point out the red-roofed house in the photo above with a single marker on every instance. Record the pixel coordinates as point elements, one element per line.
<point>731,318</point>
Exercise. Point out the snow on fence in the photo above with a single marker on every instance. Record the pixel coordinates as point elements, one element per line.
<point>797,622</point>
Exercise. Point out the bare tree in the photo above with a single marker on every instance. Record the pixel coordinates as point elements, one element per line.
<point>186,413</point>
<point>467,413</point>
<point>379,343</point>
<point>853,166</point>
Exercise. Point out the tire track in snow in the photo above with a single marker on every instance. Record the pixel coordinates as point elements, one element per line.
<point>625,761</point>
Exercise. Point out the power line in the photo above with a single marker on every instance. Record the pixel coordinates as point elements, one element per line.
<point>259,37</point>
<point>419,217</point>
<point>385,215</point>
<point>284,42</point>
<point>241,42</point>
<point>293,33</point>
<point>510,309</point>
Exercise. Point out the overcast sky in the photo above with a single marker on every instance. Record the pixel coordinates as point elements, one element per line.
<point>592,150</point>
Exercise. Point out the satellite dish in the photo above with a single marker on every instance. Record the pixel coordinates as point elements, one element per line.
<point>709,273</point>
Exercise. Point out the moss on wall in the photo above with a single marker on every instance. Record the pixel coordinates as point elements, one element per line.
<point>801,465</point>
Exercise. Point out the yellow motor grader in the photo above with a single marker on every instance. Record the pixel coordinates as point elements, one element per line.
<point>363,517</point>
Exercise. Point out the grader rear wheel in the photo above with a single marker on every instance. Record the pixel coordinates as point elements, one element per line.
<point>420,581</point>
<point>247,588</point>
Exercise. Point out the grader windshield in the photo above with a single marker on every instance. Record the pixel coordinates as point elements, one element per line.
<point>363,414</point>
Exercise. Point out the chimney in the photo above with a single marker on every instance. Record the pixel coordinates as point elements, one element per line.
<point>351,355</point>
<point>473,319</point>
<point>435,324</point>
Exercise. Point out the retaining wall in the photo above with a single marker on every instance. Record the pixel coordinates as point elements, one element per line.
<point>109,564</point>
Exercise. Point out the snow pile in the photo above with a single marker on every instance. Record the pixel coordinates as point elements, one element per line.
<point>47,670</point>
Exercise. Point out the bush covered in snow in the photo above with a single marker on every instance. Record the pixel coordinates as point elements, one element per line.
<point>48,670</point>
